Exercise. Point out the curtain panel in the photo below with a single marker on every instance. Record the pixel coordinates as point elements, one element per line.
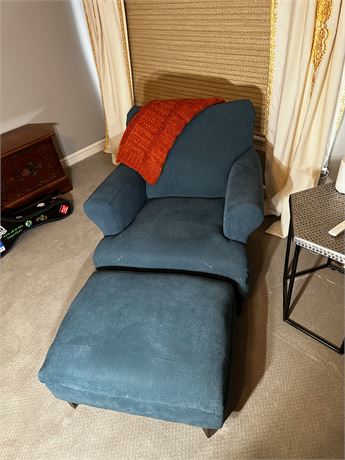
<point>306,85</point>
<point>108,33</point>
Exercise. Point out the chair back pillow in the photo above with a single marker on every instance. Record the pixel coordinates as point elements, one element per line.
<point>199,162</point>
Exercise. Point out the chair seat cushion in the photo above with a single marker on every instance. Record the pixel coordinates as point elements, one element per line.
<point>177,234</point>
<point>152,344</point>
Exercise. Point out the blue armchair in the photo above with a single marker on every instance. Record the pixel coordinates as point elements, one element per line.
<point>159,344</point>
<point>199,214</point>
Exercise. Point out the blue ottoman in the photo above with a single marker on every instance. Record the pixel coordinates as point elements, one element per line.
<point>152,344</point>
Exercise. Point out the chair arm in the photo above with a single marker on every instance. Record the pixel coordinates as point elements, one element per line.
<point>117,201</point>
<point>244,201</point>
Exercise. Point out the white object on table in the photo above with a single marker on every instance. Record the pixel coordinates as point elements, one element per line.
<point>338,229</point>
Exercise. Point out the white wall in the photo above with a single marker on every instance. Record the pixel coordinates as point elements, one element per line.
<point>45,73</point>
<point>338,152</point>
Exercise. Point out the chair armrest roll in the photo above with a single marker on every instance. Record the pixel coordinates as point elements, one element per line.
<point>117,200</point>
<point>244,203</point>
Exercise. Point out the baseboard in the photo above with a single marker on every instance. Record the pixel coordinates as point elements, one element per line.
<point>83,153</point>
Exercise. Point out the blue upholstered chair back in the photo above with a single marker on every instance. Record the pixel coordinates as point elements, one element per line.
<point>199,162</point>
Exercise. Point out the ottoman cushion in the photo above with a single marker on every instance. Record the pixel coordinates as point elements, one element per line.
<point>153,344</point>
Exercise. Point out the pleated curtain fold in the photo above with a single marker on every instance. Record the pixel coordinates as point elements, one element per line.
<point>108,33</point>
<point>307,97</point>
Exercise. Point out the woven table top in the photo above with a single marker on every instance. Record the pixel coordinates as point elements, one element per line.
<point>314,212</point>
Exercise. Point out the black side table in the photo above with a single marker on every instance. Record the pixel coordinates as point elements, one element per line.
<point>313,213</point>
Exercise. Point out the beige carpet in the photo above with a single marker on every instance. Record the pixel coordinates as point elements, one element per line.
<point>289,388</point>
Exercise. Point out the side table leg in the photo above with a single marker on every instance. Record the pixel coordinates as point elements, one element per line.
<point>286,268</point>
<point>292,281</point>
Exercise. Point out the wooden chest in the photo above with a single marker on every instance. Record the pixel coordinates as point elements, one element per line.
<point>30,166</point>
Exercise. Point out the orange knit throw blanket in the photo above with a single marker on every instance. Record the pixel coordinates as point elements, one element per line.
<point>152,132</point>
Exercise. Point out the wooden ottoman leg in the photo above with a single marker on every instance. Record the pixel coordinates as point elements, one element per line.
<point>74,405</point>
<point>209,432</point>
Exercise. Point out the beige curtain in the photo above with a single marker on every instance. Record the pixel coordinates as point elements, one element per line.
<point>305,83</point>
<point>108,33</point>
